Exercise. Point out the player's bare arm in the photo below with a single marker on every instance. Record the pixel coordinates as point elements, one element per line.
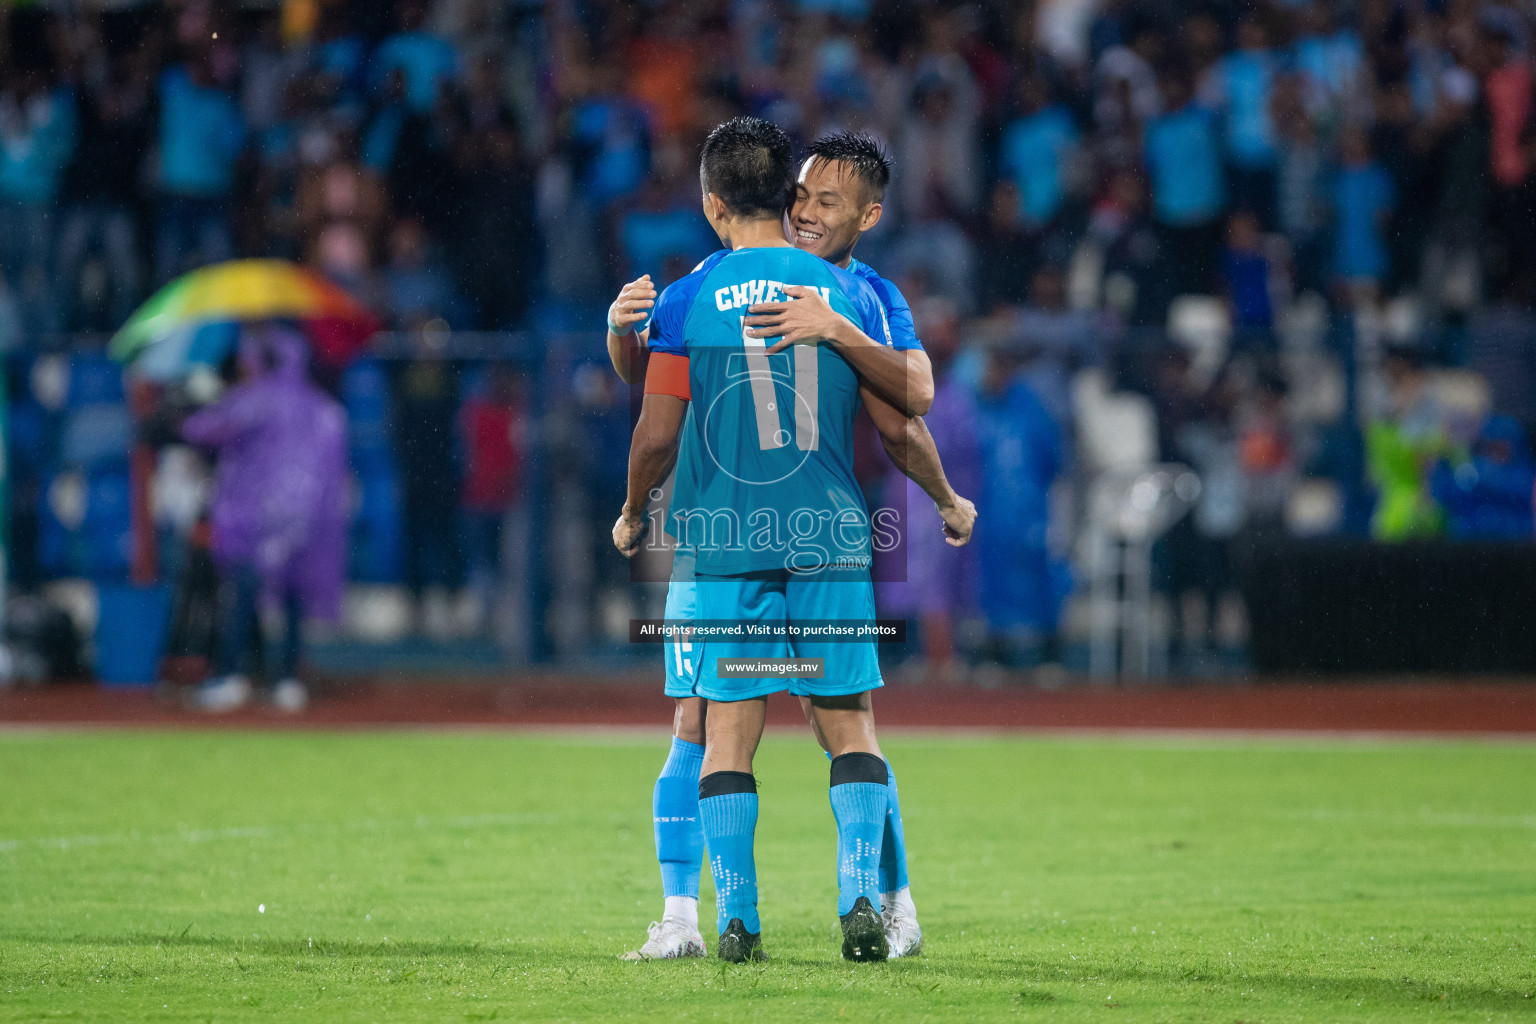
<point>910,446</point>
<point>625,344</point>
<point>652,451</point>
<point>904,378</point>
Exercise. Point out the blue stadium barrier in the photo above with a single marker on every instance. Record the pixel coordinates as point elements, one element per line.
<point>131,627</point>
<point>105,530</point>
<point>364,392</point>
<point>375,555</point>
<point>95,434</point>
<point>55,539</point>
<point>94,379</point>
<point>83,523</point>
<point>28,436</point>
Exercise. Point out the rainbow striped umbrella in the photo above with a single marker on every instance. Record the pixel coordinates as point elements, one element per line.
<point>179,326</point>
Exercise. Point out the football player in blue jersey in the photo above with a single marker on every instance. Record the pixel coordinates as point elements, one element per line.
<point>712,381</point>
<point>839,195</point>
<point>846,176</point>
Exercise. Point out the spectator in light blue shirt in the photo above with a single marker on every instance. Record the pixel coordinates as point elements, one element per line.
<point>201,135</point>
<point>611,143</point>
<point>201,132</point>
<point>1245,83</point>
<point>340,54</point>
<point>1036,152</point>
<point>1183,157</point>
<point>37,136</point>
<point>664,235</point>
<point>426,61</point>
<point>1021,452</point>
<point>1363,196</point>
<point>1329,58</point>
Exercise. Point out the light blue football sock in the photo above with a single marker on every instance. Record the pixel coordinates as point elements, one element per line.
<point>859,803</point>
<point>675,810</point>
<point>730,824</point>
<point>893,845</point>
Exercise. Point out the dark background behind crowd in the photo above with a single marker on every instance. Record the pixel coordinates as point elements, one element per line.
<point>1290,245</point>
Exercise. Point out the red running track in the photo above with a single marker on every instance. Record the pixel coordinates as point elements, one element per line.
<point>1427,707</point>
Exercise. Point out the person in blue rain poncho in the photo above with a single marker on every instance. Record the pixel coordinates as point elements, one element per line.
<point>1021,453</point>
<point>1487,495</point>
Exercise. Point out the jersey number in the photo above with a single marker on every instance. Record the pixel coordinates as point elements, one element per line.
<point>806,381</point>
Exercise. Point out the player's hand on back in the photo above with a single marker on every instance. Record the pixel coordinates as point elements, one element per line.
<point>959,520</point>
<point>807,319</point>
<point>629,531</point>
<point>634,304</point>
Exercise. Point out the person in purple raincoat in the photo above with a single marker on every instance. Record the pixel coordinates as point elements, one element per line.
<point>278,511</point>
<point>924,576</point>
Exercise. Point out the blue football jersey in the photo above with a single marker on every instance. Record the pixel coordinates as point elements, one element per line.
<point>897,313</point>
<point>707,263</point>
<point>682,483</point>
<point>767,448</point>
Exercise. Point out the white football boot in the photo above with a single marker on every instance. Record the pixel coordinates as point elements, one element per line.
<point>218,696</point>
<point>290,695</point>
<point>676,935</point>
<point>899,916</point>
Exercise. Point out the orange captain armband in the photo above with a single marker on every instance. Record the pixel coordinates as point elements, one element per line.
<point>668,375</point>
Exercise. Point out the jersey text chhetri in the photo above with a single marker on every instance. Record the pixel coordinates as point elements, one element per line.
<point>750,293</point>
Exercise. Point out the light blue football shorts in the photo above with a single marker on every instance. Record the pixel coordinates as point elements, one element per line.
<point>774,597</point>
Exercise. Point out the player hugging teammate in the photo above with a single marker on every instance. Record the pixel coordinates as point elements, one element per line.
<point>754,366</point>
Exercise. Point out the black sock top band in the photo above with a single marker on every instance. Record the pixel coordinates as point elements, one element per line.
<point>721,783</point>
<point>859,767</point>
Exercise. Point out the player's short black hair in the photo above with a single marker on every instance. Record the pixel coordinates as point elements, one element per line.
<point>749,163</point>
<point>868,160</point>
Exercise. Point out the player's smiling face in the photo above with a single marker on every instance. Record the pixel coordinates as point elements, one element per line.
<point>829,213</point>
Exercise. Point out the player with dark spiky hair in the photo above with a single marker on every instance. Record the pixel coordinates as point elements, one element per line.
<point>839,196</point>
<point>862,155</point>
<point>911,447</point>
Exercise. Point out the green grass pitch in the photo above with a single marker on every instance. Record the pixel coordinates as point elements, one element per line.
<point>475,876</point>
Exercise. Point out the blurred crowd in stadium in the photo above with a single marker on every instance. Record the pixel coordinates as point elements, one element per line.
<point>1288,244</point>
